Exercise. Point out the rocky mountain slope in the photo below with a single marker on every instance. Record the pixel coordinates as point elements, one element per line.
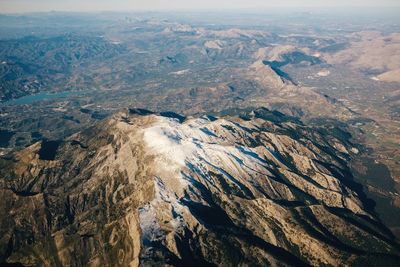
<point>159,189</point>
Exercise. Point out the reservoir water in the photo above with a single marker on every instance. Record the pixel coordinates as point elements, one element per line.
<point>42,96</point>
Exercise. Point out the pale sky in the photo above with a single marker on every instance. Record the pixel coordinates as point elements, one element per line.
<point>18,6</point>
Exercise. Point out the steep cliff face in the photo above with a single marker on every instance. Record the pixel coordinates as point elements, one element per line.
<point>145,189</point>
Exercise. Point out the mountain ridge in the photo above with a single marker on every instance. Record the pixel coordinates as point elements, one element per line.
<point>141,188</point>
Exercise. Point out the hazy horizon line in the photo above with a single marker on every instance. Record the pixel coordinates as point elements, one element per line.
<point>377,8</point>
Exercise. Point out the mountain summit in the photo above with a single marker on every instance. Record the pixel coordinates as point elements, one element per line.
<point>148,189</point>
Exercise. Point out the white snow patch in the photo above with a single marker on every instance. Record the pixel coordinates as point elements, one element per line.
<point>148,222</point>
<point>166,141</point>
<point>200,143</point>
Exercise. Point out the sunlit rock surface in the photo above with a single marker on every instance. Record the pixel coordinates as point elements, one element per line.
<point>154,189</point>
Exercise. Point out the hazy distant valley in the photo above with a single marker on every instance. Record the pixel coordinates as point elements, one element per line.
<point>308,100</point>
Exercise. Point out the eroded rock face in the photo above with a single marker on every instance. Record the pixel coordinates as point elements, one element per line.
<point>81,208</point>
<point>145,189</point>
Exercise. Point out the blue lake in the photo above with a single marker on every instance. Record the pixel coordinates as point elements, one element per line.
<point>42,96</point>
